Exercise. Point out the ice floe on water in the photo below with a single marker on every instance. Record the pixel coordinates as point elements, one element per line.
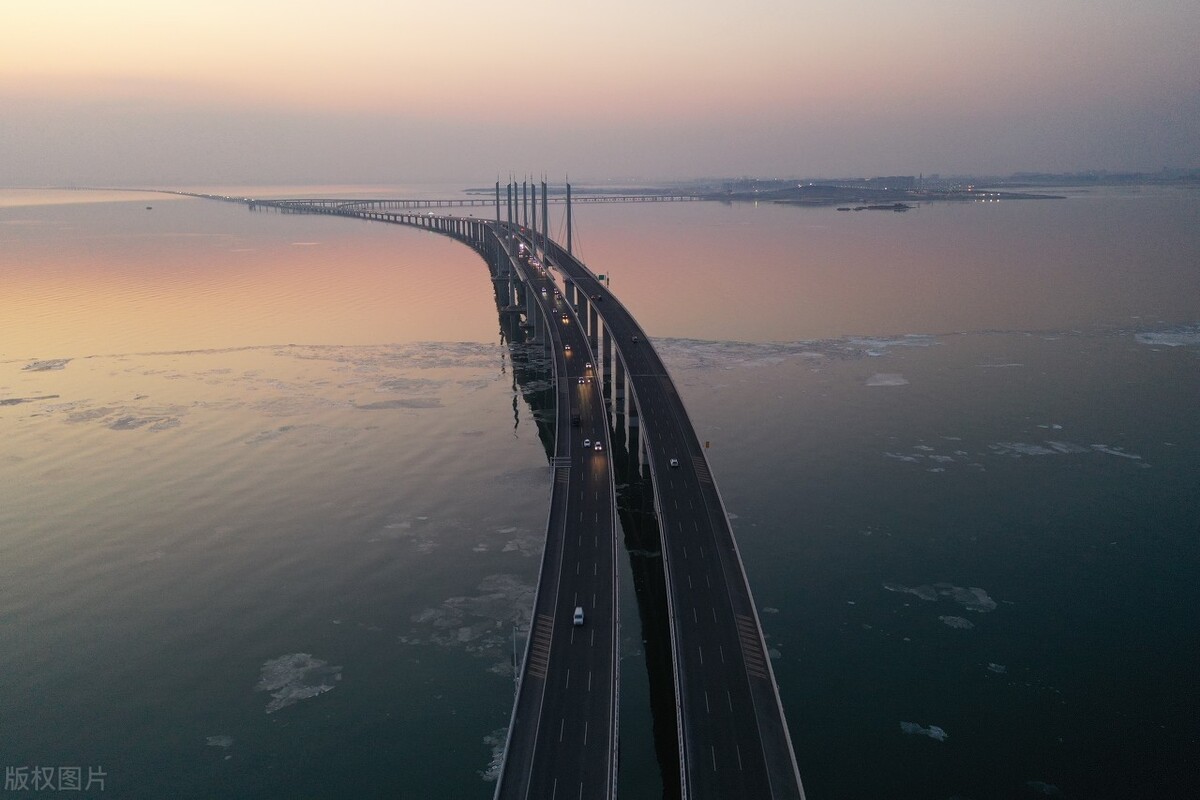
<point>729,355</point>
<point>999,669</point>
<point>16,401</point>
<point>295,677</point>
<point>1176,337</point>
<point>483,623</point>
<point>1043,788</point>
<point>407,402</point>
<point>47,364</point>
<point>887,379</point>
<point>1115,451</point>
<point>971,598</point>
<point>424,536</point>
<point>957,622</point>
<point>495,740</point>
<point>1057,448</point>
<point>933,731</point>
<point>219,741</point>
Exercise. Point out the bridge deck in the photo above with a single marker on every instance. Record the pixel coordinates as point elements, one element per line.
<point>734,740</point>
<point>733,736</point>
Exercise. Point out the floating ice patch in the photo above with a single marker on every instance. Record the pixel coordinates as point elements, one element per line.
<point>999,669</point>
<point>910,340</point>
<point>1114,451</point>
<point>411,402</point>
<point>933,731</point>
<point>496,740</point>
<point>16,401</point>
<point>972,598</point>
<point>483,623</point>
<point>130,422</point>
<point>1043,787</point>
<point>47,364</point>
<point>957,622</point>
<point>923,592</point>
<point>295,677</point>
<point>770,610</point>
<point>1186,337</point>
<point>1022,449</point>
<point>1066,447</point>
<point>219,741</point>
<point>887,379</point>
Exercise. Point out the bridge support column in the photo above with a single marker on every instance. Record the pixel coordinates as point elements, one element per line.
<point>605,366</point>
<point>635,437</point>
<point>531,313</point>
<point>619,375</point>
<point>593,324</point>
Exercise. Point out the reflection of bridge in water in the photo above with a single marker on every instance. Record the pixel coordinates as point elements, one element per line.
<point>604,382</point>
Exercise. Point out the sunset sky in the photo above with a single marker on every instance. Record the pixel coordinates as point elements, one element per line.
<point>165,92</point>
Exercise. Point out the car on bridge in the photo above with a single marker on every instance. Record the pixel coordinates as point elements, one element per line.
<point>566,348</point>
<point>578,619</point>
<point>674,462</point>
<point>599,446</point>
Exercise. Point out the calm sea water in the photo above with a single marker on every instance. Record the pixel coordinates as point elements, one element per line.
<point>271,503</point>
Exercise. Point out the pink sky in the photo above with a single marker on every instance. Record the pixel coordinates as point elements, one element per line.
<point>132,91</point>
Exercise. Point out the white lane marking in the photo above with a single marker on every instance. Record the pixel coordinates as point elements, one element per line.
<point>700,650</point>
<point>706,706</point>
<point>695,616</point>
<point>585,726</point>
<point>689,581</point>
<point>568,683</point>
<point>685,552</point>
<point>702,551</point>
<point>739,755</point>
<point>729,699</point>
<point>589,680</point>
<point>562,728</point>
<point>714,757</point>
<point>593,642</point>
<point>595,567</point>
<point>722,649</point>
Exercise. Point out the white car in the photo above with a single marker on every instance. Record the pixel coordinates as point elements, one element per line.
<point>674,462</point>
<point>578,619</point>
<point>587,443</point>
<point>566,348</point>
<point>598,446</point>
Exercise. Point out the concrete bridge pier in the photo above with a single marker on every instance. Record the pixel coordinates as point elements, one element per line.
<point>531,313</point>
<point>605,368</point>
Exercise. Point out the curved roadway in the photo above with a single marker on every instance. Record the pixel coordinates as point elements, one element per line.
<point>733,736</point>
